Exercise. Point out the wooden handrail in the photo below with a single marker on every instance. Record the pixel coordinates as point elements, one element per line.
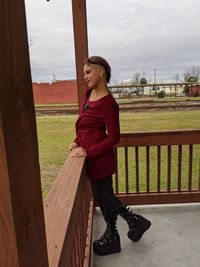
<point>182,137</point>
<point>62,209</point>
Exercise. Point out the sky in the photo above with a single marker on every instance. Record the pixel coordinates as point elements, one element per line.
<point>160,38</point>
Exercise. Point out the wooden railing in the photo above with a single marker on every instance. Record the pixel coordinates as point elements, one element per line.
<point>153,167</point>
<point>158,167</point>
<point>68,212</point>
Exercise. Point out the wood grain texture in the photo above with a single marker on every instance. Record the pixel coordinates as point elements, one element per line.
<point>23,240</point>
<point>183,137</point>
<point>8,246</point>
<point>62,209</point>
<point>162,198</point>
<point>159,195</point>
<point>80,42</point>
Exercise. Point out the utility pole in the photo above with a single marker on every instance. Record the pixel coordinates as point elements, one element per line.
<point>177,78</point>
<point>154,87</point>
<point>155,76</point>
<point>54,77</point>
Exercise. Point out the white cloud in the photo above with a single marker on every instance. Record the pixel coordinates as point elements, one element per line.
<point>131,34</point>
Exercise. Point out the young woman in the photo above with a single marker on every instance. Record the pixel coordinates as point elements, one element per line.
<point>97,132</point>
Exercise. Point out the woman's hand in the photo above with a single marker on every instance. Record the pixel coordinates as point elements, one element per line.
<point>78,152</point>
<point>73,145</point>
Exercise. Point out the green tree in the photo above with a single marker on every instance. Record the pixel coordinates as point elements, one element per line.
<point>143,80</point>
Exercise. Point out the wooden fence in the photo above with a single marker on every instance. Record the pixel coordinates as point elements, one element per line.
<point>158,167</point>
<point>68,212</point>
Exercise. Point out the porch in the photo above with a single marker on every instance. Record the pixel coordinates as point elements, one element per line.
<point>172,240</point>
<point>64,238</point>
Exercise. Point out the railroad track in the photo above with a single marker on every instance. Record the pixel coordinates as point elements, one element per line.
<point>128,107</point>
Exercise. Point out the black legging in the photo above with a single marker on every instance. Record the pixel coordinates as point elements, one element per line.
<point>104,194</point>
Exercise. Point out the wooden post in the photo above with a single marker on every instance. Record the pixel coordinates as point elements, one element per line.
<point>80,42</point>
<point>22,231</point>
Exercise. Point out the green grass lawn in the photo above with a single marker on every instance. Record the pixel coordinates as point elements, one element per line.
<point>70,105</point>
<point>55,133</point>
<point>155,99</point>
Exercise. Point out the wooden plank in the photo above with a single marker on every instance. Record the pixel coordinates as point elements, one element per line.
<point>62,208</point>
<point>87,258</point>
<point>147,169</point>
<point>137,176</point>
<point>179,167</point>
<point>8,245</point>
<point>22,241</point>
<point>80,255</point>
<point>116,174</point>
<point>190,168</point>
<point>160,138</point>
<point>160,198</point>
<point>80,42</point>
<point>158,167</point>
<point>169,155</point>
<point>126,169</point>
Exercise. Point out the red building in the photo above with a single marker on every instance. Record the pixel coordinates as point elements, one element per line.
<point>194,90</point>
<point>59,92</point>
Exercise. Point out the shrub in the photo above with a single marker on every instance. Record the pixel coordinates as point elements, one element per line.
<point>161,94</point>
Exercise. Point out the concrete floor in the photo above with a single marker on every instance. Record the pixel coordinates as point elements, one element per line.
<point>172,241</point>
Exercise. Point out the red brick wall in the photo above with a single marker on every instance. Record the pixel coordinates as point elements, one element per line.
<point>55,93</point>
<point>194,90</point>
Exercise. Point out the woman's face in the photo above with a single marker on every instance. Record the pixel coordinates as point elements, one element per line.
<point>92,75</point>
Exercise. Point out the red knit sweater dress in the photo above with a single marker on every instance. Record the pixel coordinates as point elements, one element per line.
<point>98,131</point>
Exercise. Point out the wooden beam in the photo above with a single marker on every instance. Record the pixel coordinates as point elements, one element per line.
<point>80,42</point>
<point>22,238</point>
<point>160,198</point>
<point>182,137</point>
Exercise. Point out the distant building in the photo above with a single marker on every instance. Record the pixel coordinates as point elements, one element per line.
<point>116,95</point>
<point>194,90</point>
<point>58,92</point>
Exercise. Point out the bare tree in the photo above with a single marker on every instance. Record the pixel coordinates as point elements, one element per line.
<point>192,74</point>
<point>139,78</point>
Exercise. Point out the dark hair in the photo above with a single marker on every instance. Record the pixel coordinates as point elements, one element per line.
<point>97,60</point>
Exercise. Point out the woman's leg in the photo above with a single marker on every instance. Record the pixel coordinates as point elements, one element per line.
<point>110,207</point>
<point>109,242</point>
<point>109,204</point>
<point>104,194</point>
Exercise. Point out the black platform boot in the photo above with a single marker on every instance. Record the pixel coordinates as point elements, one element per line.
<point>136,223</point>
<point>109,242</point>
